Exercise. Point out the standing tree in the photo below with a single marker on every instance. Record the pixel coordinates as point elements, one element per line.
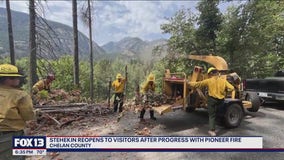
<point>91,52</point>
<point>10,33</point>
<point>87,19</point>
<point>32,45</point>
<point>182,41</point>
<point>251,37</point>
<point>75,44</point>
<point>209,23</point>
<point>181,28</point>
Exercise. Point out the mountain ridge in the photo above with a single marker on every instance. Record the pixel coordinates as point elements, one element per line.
<point>20,23</point>
<point>129,47</point>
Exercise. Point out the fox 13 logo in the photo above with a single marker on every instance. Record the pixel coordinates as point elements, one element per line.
<point>29,142</point>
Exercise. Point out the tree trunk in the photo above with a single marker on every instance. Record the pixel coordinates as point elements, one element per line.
<point>10,33</point>
<point>32,45</point>
<point>91,53</point>
<point>75,44</point>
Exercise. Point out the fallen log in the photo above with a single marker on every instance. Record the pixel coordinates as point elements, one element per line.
<point>48,116</point>
<point>102,111</point>
<point>70,121</point>
<point>61,105</point>
<point>74,107</point>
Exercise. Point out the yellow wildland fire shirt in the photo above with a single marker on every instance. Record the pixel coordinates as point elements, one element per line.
<point>147,87</point>
<point>40,85</point>
<point>216,86</point>
<point>16,108</point>
<point>118,86</point>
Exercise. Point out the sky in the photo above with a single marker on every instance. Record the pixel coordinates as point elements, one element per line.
<point>115,20</point>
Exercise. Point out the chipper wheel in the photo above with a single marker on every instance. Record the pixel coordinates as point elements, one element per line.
<point>233,116</point>
<point>254,99</point>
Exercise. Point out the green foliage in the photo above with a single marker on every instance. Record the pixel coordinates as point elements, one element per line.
<point>63,70</point>
<point>43,94</point>
<point>4,60</point>
<point>84,78</point>
<point>104,71</point>
<point>209,23</point>
<point>181,43</point>
<point>252,34</point>
<point>249,36</point>
<point>158,71</point>
<point>23,69</point>
<point>181,28</point>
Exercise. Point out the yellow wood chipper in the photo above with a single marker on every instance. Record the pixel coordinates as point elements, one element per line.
<point>181,96</point>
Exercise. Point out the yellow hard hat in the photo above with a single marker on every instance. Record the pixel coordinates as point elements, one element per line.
<point>8,70</point>
<point>211,69</point>
<point>151,77</point>
<point>118,76</point>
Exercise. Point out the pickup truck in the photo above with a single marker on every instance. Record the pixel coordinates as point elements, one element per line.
<point>267,89</point>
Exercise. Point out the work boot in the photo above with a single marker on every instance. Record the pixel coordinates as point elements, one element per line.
<point>152,115</point>
<point>142,112</point>
<point>115,106</point>
<point>212,133</point>
<point>120,107</point>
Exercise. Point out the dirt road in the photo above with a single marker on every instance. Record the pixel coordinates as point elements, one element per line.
<point>267,122</point>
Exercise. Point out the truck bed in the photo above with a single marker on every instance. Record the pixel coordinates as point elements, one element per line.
<point>270,88</point>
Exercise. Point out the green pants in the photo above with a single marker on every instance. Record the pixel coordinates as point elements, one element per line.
<point>213,103</point>
<point>6,145</point>
<point>118,102</point>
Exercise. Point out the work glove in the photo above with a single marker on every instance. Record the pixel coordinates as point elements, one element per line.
<point>38,113</point>
<point>117,98</point>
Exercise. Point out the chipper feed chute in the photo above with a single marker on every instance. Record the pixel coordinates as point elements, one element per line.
<point>216,61</point>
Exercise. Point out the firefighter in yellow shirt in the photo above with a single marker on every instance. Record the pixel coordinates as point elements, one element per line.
<point>217,87</point>
<point>43,84</point>
<point>118,86</point>
<point>148,90</point>
<point>15,109</point>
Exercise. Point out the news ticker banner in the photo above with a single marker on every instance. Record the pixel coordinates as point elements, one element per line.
<point>40,145</point>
